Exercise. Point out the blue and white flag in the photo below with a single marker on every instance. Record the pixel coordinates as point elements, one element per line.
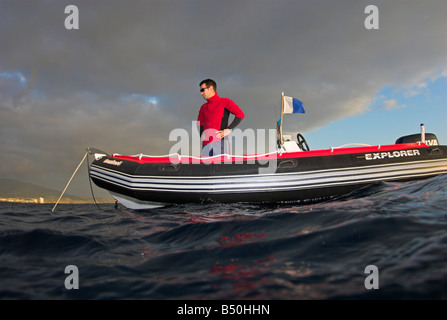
<point>292,105</point>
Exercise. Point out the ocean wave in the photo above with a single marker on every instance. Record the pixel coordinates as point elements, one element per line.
<point>222,251</point>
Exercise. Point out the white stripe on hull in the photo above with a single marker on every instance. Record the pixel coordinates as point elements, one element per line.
<point>273,182</point>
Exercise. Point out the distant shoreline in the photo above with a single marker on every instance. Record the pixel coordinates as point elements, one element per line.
<point>51,201</point>
<point>14,191</point>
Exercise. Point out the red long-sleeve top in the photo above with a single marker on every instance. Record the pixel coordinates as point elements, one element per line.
<point>214,115</point>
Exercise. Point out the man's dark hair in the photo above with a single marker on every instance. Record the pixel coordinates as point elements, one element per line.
<point>209,82</point>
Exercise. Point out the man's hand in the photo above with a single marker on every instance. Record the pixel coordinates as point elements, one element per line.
<point>223,133</point>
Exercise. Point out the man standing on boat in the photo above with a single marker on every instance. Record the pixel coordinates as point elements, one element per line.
<point>213,119</point>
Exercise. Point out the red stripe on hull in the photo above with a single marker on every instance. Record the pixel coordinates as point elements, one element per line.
<point>301,154</point>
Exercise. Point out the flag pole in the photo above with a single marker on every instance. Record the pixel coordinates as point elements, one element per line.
<point>282,115</point>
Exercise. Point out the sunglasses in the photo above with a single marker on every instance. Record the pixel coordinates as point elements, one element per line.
<point>203,89</point>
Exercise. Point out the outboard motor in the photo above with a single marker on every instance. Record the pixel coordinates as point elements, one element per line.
<point>429,139</point>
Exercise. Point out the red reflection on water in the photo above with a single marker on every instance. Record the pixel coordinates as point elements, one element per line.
<point>239,239</point>
<point>246,278</point>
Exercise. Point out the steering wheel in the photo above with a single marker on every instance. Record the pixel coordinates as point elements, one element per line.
<point>302,142</point>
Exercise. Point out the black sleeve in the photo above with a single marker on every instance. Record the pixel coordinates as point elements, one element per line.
<point>235,123</point>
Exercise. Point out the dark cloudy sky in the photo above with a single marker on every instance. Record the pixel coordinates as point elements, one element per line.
<point>130,74</point>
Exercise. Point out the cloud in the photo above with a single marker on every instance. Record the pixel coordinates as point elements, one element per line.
<point>12,77</point>
<point>141,98</point>
<point>12,87</point>
<point>417,90</point>
<point>391,104</point>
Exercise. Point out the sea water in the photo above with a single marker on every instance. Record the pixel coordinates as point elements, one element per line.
<point>386,241</point>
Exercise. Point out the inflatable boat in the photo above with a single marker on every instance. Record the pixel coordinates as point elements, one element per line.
<point>292,173</point>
